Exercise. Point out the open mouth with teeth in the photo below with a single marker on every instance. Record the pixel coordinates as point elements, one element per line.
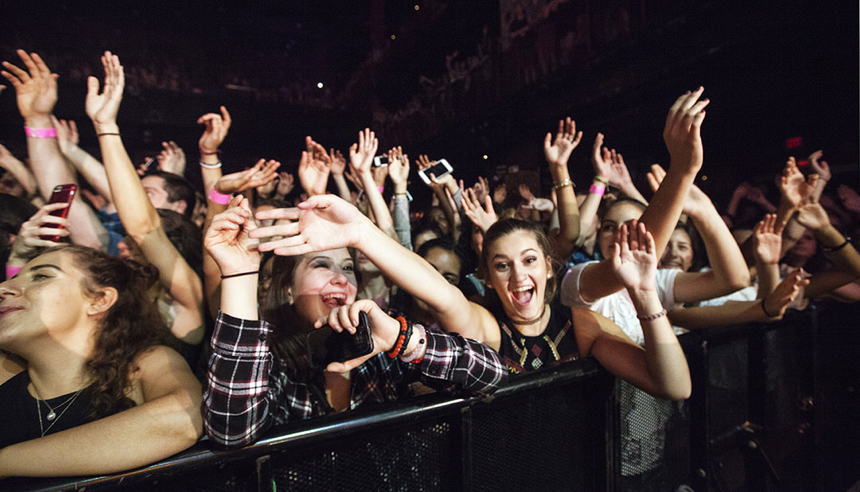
<point>334,299</point>
<point>523,295</point>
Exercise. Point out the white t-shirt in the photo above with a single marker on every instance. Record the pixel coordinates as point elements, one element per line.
<point>618,306</point>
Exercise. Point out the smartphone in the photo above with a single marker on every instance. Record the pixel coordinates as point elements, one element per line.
<point>380,160</point>
<point>441,168</point>
<point>150,165</point>
<point>326,345</point>
<point>61,194</point>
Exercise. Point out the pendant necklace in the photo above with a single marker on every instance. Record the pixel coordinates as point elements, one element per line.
<point>52,414</point>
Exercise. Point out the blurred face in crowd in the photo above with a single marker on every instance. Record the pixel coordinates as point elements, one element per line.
<point>447,264</point>
<point>422,238</point>
<point>11,186</point>
<point>518,269</point>
<point>321,282</point>
<point>154,188</point>
<point>805,246</point>
<point>616,216</point>
<point>679,252</point>
<point>437,216</point>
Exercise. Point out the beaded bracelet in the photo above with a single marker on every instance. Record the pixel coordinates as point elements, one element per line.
<point>402,338</point>
<point>602,180</point>
<point>652,317</point>
<point>417,355</point>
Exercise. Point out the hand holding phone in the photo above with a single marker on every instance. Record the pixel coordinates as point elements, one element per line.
<point>325,345</point>
<point>61,194</point>
<point>440,169</point>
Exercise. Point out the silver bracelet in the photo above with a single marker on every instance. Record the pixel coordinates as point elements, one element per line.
<point>210,166</point>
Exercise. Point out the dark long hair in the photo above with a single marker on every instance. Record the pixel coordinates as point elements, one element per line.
<point>128,328</point>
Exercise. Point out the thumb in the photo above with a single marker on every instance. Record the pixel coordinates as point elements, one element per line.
<point>92,86</point>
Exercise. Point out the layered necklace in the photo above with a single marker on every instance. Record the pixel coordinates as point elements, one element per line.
<point>52,416</point>
<point>532,321</point>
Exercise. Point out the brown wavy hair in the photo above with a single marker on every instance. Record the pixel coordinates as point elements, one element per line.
<point>128,328</point>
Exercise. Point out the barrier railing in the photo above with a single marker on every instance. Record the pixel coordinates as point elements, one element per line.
<point>748,426</point>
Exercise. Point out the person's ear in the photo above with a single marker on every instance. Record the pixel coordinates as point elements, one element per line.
<point>289,295</point>
<point>549,272</point>
<point>103,301</point>
<point>179,206</point>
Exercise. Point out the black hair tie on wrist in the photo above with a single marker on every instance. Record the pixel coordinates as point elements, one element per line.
<point>240,274</point>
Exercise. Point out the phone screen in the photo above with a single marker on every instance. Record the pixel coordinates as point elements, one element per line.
<point>441,168</point>
<point>61,194</point>
<point>326,345</point>
<point>380,161</point>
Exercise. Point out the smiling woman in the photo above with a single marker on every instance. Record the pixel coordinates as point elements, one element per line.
<point>82,368</point>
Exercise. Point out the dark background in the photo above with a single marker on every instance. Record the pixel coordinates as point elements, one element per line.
<point>773,71</point>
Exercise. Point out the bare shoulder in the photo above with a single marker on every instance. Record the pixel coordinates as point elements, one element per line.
<point>10,365</point>
<point>160,370</point>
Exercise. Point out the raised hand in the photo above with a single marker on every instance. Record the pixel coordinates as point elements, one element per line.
<point>820,167</point>
<point>217,126</point>
<point>361,154</point>
<point>526,193</point>
<point>812,215</point>
<point>171,159</point>
<point>398,169</point>
<point>696,201</point>
<point>481,217</point>
<point>262,173</point>
<point>42,223</point>
<point>682,132</point>
<point>103,108</point>
<point>314,168</point>
<point>67,134</point>
<point>482,188</point>
<point>767,240</point>
<point>785,294</point>
<point>338,162</point>
<point>601,158</point>
<point>557,152</point>
<point>620,175</point>
<point>35,88</point>
<point>320,223</point>
<point>500,193</point>
<point>793,187</point>
<point>286,183</point>
<point>634,258</point>
<point>228,239</point>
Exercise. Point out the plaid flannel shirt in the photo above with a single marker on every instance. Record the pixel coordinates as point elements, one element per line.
<point>247,390</point>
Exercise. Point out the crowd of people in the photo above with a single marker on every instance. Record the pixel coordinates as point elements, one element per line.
<point>142,313</point>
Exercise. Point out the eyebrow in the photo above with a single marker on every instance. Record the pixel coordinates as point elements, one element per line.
<point>45,265</point>
<point>499,255</point>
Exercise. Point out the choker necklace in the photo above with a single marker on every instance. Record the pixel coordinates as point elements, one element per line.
<point>531,321</point>
<point>52,414</point>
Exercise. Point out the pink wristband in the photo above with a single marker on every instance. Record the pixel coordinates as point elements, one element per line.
<point>11,271</point>
<point>597,189</point>
<point>218,198</point>
<point>40,132</point>
<point>381,189</point>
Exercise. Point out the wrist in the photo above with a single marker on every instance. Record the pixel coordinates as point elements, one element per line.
<point>39,121</point>
<point>645,301</point>
<point>400,188</point>
<point>106,127</point>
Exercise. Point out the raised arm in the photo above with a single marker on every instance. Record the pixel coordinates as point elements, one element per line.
<point>19,170</point>
<point>327,222</point>
<point>217,126</point>
<point>36,91</point>
<point>683,138</point>
<point>398,172</point>
<point>138,216</point>
<point>845,258</point>
<point>660,368</point>
<point>165,421</point>
<point>361,156</point>
<point>557,154</point>
<point>767,244</point>
<point>91,169</point>
<point>728,271</point>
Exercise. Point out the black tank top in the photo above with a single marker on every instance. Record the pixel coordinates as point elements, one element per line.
<point>20,421</point>
<point>555,345</point>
